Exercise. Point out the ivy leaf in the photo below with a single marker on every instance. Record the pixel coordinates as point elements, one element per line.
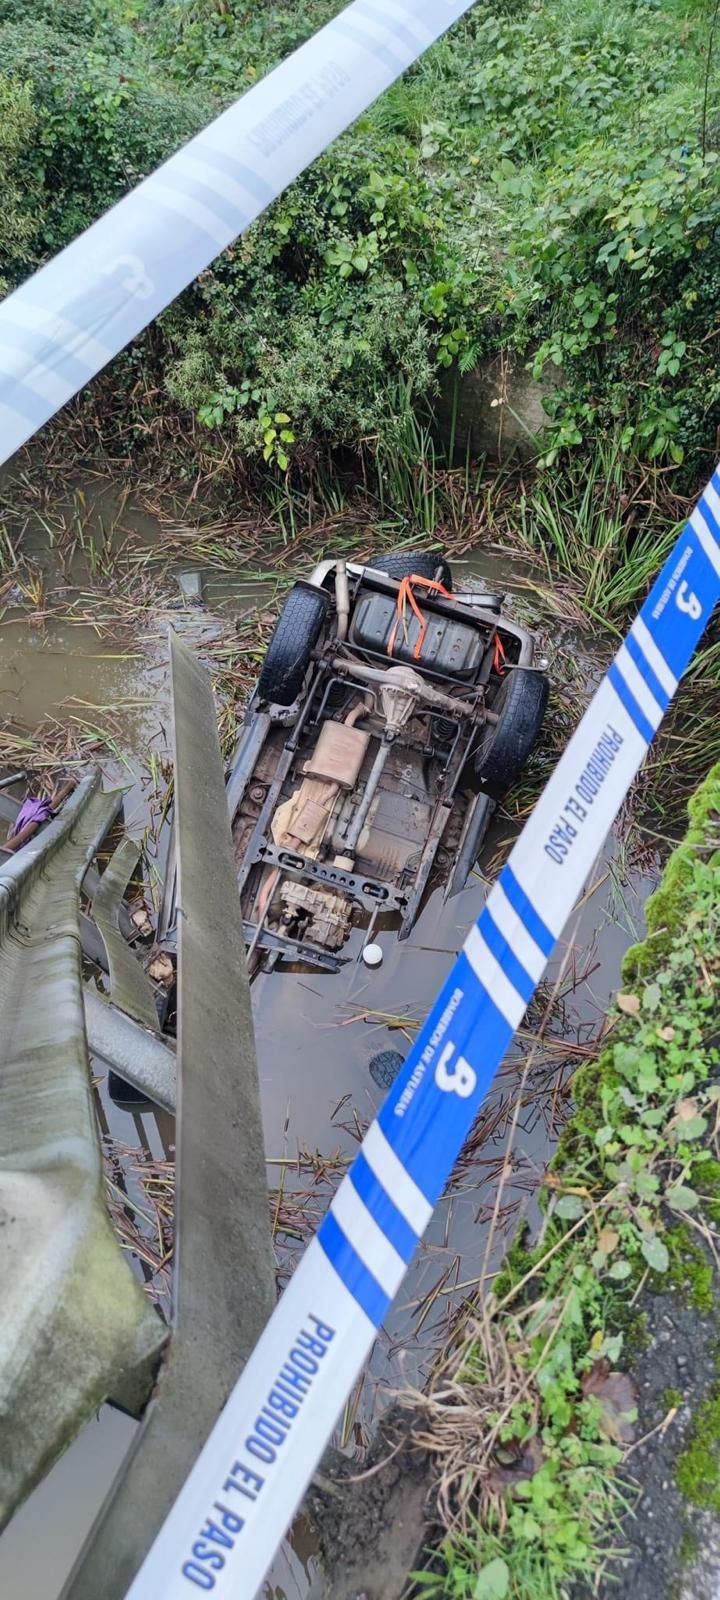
<point>652,995</point>
<point>619,1270</point>
<point>655,1252</point>
<point>570,1206</point>
<point>493,1581</point>
<point>681,1197</point>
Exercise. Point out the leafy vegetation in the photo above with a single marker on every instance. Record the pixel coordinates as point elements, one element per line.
<point>546,179</point>
<point>529,1419</point>
<point>699,1466</point>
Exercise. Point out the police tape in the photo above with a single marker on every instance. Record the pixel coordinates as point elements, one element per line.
<point>224,1528</point>
<point>70,318</point>
<point>56,332</point>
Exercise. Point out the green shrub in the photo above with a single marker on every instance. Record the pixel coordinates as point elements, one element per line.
<point>543,179</point>
<point>21,190</point>
<point>99,120</point>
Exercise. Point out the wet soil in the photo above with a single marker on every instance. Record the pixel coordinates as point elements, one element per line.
<point>372,1520</point>
<point>105,689</point>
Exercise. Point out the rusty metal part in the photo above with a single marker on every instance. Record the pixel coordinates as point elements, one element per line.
<point>256,843</point>
<point>399,696</point>
<point>349,843</point>
<point>362,709</point>
<point>342,599</point>
<point>223,1286</point>
<point>338,754</point>
<point>281,946</point>
<point>428,693</point>
<point>441,818</point>
<point>301,821</point>
<point>363,887</point>
<point>482,608</point>
<point>329,914</point>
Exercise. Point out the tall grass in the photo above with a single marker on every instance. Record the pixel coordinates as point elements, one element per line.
<point>406,466</point>
<point>589,525</point>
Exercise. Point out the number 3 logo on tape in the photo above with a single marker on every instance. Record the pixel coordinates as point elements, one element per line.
<point>688,602</point>
<point>461,1080</point>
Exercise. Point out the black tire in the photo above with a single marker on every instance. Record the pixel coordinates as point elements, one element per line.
<point>297,631</point>
<point>520,704</point>
<point>403,563</point>
<point>384,1068</point>
<point>125,1095</point>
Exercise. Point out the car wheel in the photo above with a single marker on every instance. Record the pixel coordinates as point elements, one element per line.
<point>125,1096</point>
<point>297,631</point>
<point>506,744</point>
<point>405,564</point>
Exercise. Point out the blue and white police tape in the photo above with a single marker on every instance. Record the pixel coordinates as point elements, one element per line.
<point>56,332</point>
<point>78,311</point>
<point>241,1494</point>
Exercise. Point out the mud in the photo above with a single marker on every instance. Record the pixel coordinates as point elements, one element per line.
<point>315,1035</point>
<point>372,1520</point>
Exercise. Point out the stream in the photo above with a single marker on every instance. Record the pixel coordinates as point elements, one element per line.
<point>104,689</point>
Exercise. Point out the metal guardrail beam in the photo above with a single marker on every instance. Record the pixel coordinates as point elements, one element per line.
<point>137,1054</point>
<point>130,987</point>
<point>223,1289</point>
<point>74,1324</point>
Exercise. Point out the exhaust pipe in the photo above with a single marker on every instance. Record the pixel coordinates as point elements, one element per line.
<point>342,599</point>
<point>350,842</point>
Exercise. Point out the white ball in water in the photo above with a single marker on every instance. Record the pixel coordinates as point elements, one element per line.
<point>372,955</point>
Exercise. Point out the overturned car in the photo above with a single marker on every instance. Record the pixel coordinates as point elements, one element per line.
<point>389,718</point>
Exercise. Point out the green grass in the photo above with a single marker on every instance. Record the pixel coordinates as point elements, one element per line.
<point>590,528</point>
<point>626,1203</point>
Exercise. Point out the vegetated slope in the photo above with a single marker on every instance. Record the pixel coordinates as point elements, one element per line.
<point>531,1418</point>
<point>546,178</point>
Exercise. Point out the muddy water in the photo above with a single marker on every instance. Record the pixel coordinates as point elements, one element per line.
<point>315,1032</point>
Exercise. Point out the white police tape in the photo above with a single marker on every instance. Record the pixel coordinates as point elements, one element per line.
<point>223,1530</point>
<point>56,332</point>
<point>62,326</point>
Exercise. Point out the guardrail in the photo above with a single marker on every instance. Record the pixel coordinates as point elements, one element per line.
<point>56,332</point>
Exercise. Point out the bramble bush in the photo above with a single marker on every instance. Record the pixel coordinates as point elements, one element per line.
<point>545,180</point>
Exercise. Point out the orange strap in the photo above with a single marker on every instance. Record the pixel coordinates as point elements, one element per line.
<point>405,593</point>
<point>499,660</point>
